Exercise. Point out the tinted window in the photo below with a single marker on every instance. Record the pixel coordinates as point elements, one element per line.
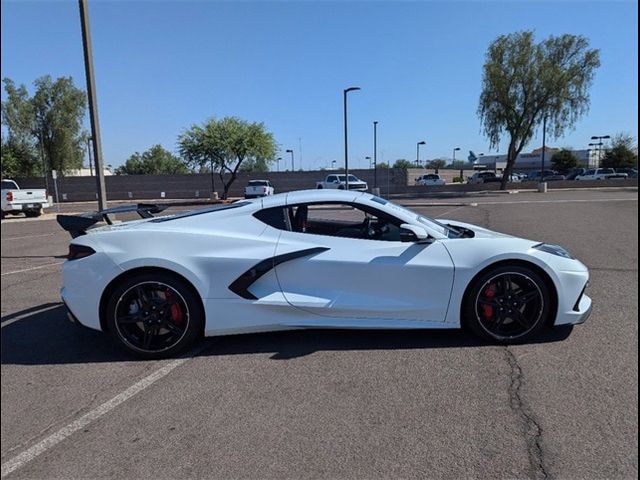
<point>331,178</point>
<point>6,185</point>
<point>276,217</point>
<point>258,183</point>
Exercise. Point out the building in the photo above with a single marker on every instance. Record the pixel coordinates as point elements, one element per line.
<point>533,161</point>
<point>85,172</point>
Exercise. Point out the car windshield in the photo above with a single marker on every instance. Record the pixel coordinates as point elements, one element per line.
<point>427,221</point>
<point>258,183</point>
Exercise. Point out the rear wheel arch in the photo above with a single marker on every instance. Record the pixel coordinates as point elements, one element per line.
<point>106,294</point>
<point>518,263</point>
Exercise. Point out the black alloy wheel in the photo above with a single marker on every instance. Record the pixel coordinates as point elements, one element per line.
<point>508,304</point>
<point>154,315</point>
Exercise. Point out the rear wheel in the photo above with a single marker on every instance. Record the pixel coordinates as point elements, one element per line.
<point>154,315</point>
<point>507,304</point>
<point>320,187</point>
<point>33,213</point>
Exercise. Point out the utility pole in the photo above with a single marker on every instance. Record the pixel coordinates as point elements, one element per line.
<point>375,154</point>
<point>93,104</point>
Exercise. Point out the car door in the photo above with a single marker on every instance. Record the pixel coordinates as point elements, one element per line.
<point>356,278</point>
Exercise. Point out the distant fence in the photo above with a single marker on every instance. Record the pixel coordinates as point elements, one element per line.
<point>144,187</point>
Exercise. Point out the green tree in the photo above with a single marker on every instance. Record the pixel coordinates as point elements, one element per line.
<point>403,163</point>
<point>154,161</point>
<point>436,164</point>
<point>622,154</point>
<point>525,82</point>
<point>258,165</point>
<point>19,149</point>
<point>383,165</point>
<point>59,109</point>
<point>564,160</point>
<point>223,145</point>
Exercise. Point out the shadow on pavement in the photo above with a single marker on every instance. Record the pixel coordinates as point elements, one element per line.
<point>48,338</point>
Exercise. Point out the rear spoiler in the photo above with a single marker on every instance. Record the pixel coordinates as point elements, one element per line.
<point>78,225</point>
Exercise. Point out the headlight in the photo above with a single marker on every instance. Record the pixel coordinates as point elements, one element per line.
<point>553,249</point>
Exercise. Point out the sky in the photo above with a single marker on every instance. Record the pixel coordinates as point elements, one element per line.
<point>162,66</point>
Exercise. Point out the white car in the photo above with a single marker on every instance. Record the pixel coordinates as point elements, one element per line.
<point>258,188</point>
<point>29,201</point>
<point>310,259</point>
<point>430,179</point>
<point>340,182</point>
<point>600,174</point>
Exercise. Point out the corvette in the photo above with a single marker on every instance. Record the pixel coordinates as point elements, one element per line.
<point>310,259</point>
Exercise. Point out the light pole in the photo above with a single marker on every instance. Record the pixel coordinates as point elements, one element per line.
<point>291,152</point>
<point>418,152</point>
<point>93,104</point>
<point>375,154</point>
<point>89,155</point>
<point>346,149</point>
<point>278,163</point>
<point>453,162</point>
<point>600,144</point>
<point>333,164</point>
<point>544,147</point>
<point>368,158</point>
<point>596,149</point>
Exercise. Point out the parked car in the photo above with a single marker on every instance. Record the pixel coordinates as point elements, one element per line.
<point>258,188</point>
<point>549,176</point>
<point>631,172</point>
<point>28,201</point>
<point>430,179</point>
<point>289,263</point>
<point>339,181</point>
<point>600,174</point>
<point>483,177</point>
<point>575,172</point>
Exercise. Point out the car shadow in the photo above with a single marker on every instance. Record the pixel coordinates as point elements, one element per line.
<point>48,338</point>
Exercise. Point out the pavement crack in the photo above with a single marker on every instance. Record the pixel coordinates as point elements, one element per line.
<point>531,429</point>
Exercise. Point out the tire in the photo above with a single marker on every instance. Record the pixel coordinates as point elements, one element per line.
<point>491,305</point>
<point>169,315</point>
<point>33,213</point>
<point>320,187</point>
<point>341,187</point>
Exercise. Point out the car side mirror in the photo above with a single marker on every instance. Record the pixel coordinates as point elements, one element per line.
<point>413,233</point>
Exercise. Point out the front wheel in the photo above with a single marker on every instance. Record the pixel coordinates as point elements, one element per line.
<point>154,315</point>
<point>507,305</point>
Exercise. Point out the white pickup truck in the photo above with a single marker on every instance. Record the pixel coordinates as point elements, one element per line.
<point>258,188</point>
<point>28,201</point>
<point>430,179</point>
<point>340,182</point>
<point>600,174</point>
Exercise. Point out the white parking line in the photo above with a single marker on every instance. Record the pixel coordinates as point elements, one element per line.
<point>32,268</point>
<point>20,317</point>
<point>561,201</point>
<point>65,432</point>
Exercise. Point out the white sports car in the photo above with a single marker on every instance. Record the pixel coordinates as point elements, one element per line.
<point>310,259</point>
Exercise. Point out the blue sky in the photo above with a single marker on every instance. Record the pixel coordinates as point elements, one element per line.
<point>163,66</point>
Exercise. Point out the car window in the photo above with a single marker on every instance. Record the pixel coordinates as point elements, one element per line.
<point>331,178</point>
<point>258,183</point>
<point>8,185</point>
<point>334,219</point>
<point>590,172</point>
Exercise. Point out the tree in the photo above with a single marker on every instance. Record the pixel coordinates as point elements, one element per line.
<point>402,163</point>
<point>382,165</point>
<point>564,160</point>
<point>622,154</point>
<point>258,165</point>
<point>59,108</point>
<point>154,161</point>
<point>525,82</point>
<point>436,164</point>
<point>224,145</point>
<point>19,149</point>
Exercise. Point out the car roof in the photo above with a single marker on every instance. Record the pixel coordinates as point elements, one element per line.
<point>314,195</point>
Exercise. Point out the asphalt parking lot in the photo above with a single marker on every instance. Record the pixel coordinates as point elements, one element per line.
<point>334,404</point>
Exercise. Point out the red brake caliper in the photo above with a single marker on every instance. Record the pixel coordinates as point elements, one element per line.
<point>176,312</point>
<point>489,292</point>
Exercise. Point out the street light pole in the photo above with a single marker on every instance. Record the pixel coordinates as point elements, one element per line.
<point>89,155</point>
<point>346,148</point>
<point>333,164</point>
<point>418,152</point>
<point>453,162</point>
<point>368,158</point>
<point>278,163</point>
<point>93,104</point>
<point>544,146</point>
<point>292,166</point>
<point>375,154</point>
